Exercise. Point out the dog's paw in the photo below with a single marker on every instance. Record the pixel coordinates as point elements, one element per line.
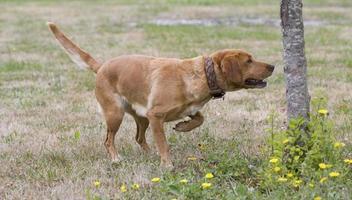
<point>146,149</point>
<point>183,126</point>
<point>116,160</point>
<point>168,166</point>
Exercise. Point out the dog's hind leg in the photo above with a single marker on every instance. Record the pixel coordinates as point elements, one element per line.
<point>113,113</point>
<point>142,125</point>
<point>113,122</point>
<point>113,117</point>
<point>185,126</point>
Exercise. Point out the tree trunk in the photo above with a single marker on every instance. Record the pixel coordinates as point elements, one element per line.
<point>294,59</point>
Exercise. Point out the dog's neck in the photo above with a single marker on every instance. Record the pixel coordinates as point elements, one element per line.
<point>196,80</point>
<point>215,90</point>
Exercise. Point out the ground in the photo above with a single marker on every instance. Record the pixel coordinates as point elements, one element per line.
<point>51,131</point>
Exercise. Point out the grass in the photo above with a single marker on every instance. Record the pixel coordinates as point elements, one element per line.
<point>46,101</point>
<point>181,38</point>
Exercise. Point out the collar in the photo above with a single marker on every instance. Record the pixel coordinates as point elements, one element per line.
<point>215,90</point>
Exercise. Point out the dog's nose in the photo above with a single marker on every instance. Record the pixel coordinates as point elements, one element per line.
<point>270,68</point>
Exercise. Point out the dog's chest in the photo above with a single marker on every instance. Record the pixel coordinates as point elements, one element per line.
<point>191,110</point>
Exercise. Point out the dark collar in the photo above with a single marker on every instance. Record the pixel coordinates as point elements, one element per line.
<point>215,90</point>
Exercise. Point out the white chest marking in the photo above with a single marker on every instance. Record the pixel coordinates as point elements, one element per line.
<point>140,109</point>
<point>191,110</point>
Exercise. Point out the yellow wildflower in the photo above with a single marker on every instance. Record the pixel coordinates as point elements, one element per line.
<point>97,184</point>
<point>192,158</point>
<point>323,112</point>
<point>285,141</point>
<point>174,199</point>
<point>201,146</point>
<point>339,144</point>
<point>322,166</point>
<point>123,188</point>
<point>135,186</point>
<point>348,161</point>
<point>290,175</point>
<point>296,183</point>
<point>281,179</point>
<point>311,185</point>
<point>334,174</point>
<point>209,176</point>
<point>322,180</point>
<point>155,180</point>
<point>277,169</point>
<point>317,198</point>
<point>274,160</point>
<point>184,181</point>
<point>206,185</point>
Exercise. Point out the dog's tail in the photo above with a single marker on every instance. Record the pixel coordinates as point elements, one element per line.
<point>77,55</point>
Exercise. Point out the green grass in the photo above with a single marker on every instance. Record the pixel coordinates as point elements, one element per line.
<point>46,100</point>
<point>15,66</point>
<point>189,39</point>
<point>187,2</point>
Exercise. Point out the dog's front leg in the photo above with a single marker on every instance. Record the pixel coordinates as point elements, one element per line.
<point>156,121</point>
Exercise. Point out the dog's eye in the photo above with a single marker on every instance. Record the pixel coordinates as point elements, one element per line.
<point>249,61</point>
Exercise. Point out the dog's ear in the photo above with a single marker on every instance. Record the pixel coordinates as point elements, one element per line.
<point>230,67</point>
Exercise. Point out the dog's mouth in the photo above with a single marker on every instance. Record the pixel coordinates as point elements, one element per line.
<point>255,83</point>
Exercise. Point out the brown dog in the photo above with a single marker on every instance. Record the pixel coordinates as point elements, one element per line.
<point>157,90</point>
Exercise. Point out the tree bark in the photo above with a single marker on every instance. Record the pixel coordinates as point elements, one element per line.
<point>295,64</point>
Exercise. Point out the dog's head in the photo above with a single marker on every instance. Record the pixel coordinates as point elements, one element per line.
<point>241,70</point>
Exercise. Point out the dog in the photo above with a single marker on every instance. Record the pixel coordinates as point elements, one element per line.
<point>157,90</point>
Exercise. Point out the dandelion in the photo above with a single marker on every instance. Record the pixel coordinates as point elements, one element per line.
<point>135,186</point>
<point>334,174</point>
<point>192,158</point>
<point>296,183</point>
<point>209,176</point>
<point>274,160</point>
<point>184,181</point>
<point>285,141</point>
<point>339,145</point>
<point>281,179</point>
<point>290,175</point>
<point>206,185</point>
<point>97,184</point>
<point>322,166</point>
<point>323,112</point>
<point>348,161</point>
<point>201,147</point>
<point>123,188</point>
<point>322,180</point>
<point>155,180</point>
<point>317,198</point>
<point>277,169</point>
